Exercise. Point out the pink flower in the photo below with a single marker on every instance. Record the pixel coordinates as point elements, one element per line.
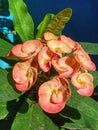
<point>83,81</point>
<point>65,66</point>
<point>24,75</point>
<point>54,94</point>
<point>71,43</point>
<point>62,67</point>
<point>84,59</point>
<point>27,50</point>
<point>45,57</point>
<point>50,36</point>
<point>59,47</point>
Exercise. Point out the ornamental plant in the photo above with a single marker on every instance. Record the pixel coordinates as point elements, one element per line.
<point>51,80</point>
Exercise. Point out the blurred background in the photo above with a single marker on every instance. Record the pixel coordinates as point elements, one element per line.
<point>82,27</point>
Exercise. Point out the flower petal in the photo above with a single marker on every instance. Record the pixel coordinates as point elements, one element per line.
<point>53,95</point>
<point>58,47</point>
<point>61,66</point>
<point>45,57</point>
<point>83,82</point>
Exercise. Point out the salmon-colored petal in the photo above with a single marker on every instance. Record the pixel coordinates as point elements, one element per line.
<point>22,87</point>
<point>61,66</point>
<point>45,57</point>
<point>71,43</point>
<point>53,94</point>
<point>84,60</point>
<point>24,75</point>
<point>27,50</point>
<point>87,91</point>
<point>17,51</point>
<point>83,81</point>
<point>58,47</point>
<point>32,47</point>
<point>50,36</point>
<point>19,72</point>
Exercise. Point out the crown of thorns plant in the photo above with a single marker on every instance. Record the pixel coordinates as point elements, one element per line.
<point>60,54</point>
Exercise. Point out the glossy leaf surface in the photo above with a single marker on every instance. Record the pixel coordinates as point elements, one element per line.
<point>44,23</point>
<point>7,91</point>
<point>23,22</point>
<point>5,47</point>
<point>33,117</point>
<point>82,111</point>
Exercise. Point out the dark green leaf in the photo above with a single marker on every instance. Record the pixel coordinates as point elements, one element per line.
<point>42,26</point>
<point>5,47</point>
<point>23,22</point>
<point>91,48</point>
<point>31,117</point>
<point>7,91</point>
<point>59,21</point>
<point>82,111</point>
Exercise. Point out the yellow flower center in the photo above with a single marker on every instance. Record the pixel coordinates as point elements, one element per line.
<point>80,81</point>
<point>28,74</point>
<point>56,92</point>
<point>58,50</point>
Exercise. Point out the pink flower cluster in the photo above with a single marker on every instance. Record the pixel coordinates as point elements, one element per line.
<point>65,56</point>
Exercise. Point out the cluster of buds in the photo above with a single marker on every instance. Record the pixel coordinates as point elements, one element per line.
<point>66,57</point>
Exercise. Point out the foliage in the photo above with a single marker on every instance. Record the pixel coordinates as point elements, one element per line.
<point>23,22</point>
<point>20,110</point>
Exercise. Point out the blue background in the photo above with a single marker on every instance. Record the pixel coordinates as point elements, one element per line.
<point>83,25</point>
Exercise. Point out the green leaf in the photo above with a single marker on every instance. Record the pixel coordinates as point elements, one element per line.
<point>31,117</point>
<point>95,75</point>
<point>91,48</point>
<point>59,21</point>
<point>7,108</point>
<point>23,22</point>
<point>82,111</point>
<point>3,110</point>
<point>42,26</point>
<point>10,109</point>
<point>7,91</point>
<point>5,47</point>
<point>74,126</point>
